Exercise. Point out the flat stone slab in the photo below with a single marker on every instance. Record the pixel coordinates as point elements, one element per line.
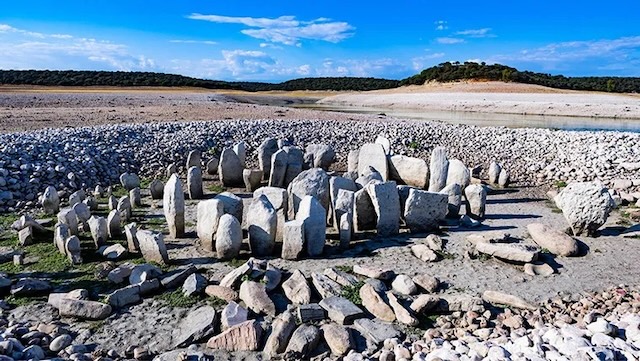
<point>514,252</point>
<point>376,331</point>
<point>341,310</point>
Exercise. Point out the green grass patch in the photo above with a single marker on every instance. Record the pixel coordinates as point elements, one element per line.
<point>119,191</point>
<point>177,299</point>
<point>414,145</point>
<point>145,182</point>
<point>352,293</point>
<point>216,188</point>
<point>235,263</point>
<point>545,251</point>
<point>483,257</point>
<point>445,255</point>
<point>6,220</point>
<point>560,184</point>
<point>345,268</point>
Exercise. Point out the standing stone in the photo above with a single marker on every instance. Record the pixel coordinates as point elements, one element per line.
<point>208,216</point>
<point>344,216</point>
<point>494,172</point>
<point>454,194</point>
<point>99,230</point>
<point>293,239</point>
<point>91,202</point>
<point>438,169</point>
<point>60,235</point>
<point>134,198</point>
<point>386,203</point>
<point>278,168</point>
<point>385,143</point>
<point>410,171</point>
<point>194,183</point>
<point>98,191</point>
<point>585,205</point>
<point>112,202</point>
<point>295,163</point>
<point>476,196</point>
<point>173,206</point>
<point>335,185</point>
<point>25,236</point>
<point>504,179</point>
<point>281,331</point>
<point>124,207</point>
<point>364,214</point>
<point>129,181</point>
<point>279,199</point>
<point>228,237</point>
<point>297,289</point>
<point>313,215</point>
<point>171,168</point>
<point>231,204</point>
<point>304,340</point>
<point>50,200</point>
<point>230,168</point>
<point>152,246</point>
<point>319,156</point>
<point>241,151</point>
<point>252,179</point>
<point>69,218</point>
<point>265,151</point>
<point>370,175</point>
<point>458,173</point>
<point>130,231</point>
<point>424,210</point>
<point>156,188</point>
<point>83,213</point>
<point>262,224</point>
<point>72,249</point>
<point>352,160</point>
<point>113,223</point>
<point>212,166</point>
<point>76,197</point>
<point>194,159</point>
<point>313,182</point>
<point>373,155</point>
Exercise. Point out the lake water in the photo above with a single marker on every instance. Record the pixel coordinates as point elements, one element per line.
<point>493,120</point>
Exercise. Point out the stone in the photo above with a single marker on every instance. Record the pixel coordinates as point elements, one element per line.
<point>538,269</point>
<point>435,242</point>
<point>131,231</point>
<point>504,179</point>
<point>293,239</point>
<point>171,168</point>
<point>173,206</point>
<point>144,272</point>
<point>336,184</point>
<point>424,303</point>
<point>208,216</point>
<point>364,213</point>
<point>230,168</point>
<point>346,230</point>
<point>385,143</point>
<point>194,183</point>
<point>278,169</point>
<point>196,326</point>
<point>156,187</point>
<point>228,237</point>
<point>373,155</point>
<point>76,197</point>
<point>112,202</point>
<point>585,205</point>
<point>403,315</point>
<point>266,150</point>
<point>375,304</point>
<point>514,252</point>
<point>83,213</point>
<point>377,273</point>
<point>60,235</point>
<point>313,182</point>
<point>319,156</point>
<point>232,278</point>
<point>89,310</point>
<point>352,160</point>
<point>25,236</point>
<point>212,166</point>
<point>403,284</point>
<point>240,149</point>
<point>242,337</point>
<point>221,292</point>
<point>454,194</point>
<point>341,310</point>
<point>386,203</point>
<point>91,202</point>
<point>120,273</point>
<point>338,338</point>
<point>134,198</point>
<point>194,159</point>
<point>68,217</point>
<point>557,242</point>
<point>194,285</point>
<point>177,277</point>
<point>499,298</point>
<point>72,249</point>
<point>296,288</point>
<point>458,173</point>
<point>376,331</point>
<point>124,296</point>
<point>410,171</point>
<point>232,204</point>
<point>272,277</point>
<point>78,294</point>
<point>61,342</point>
<point>50,200</point>
<point>476,196</point>
<point>99,230</point>
<point>98,191</point>
<point>370,175</point>
<point>325,286</point>
<point>152,246</point>
<point>295,163</point>
<point>281,331</point>
<point>489,237</point>
<point>113,252</point>
<point>124,207</point>
<point>494,172</point>
<point>129,181</point>
<point>262,223</point>
<point>461,303</point>
<point>313,215</point>
<point>304,340</point>
<point>233,314</point>
<point>27,287</point>
<point>311,312</point>
<point>279,199</point>
<point>424,253</point>
<point>425,210</point>
<point>438,169</point>
<point>254,295</point>
<point>426,282</point>
<point>252,179</point>
<point>342,278</point>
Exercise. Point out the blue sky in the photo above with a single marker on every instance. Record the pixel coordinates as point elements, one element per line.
<point>279,40</point>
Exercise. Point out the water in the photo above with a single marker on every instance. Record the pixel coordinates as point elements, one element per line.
<point>492,119</point>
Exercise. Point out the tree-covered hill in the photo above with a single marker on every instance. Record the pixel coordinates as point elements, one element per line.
<point>447,72</point>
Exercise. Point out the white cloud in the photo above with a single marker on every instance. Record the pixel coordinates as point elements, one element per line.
<point>203,42</point>
<point>420,62</point>
<point>449,40</point>
<point>476,33</point>
<point>286,29</point>
<point>441,25</point>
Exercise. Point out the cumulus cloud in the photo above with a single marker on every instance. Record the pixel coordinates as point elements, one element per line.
<point>449,40</point>
<point>285,29</point>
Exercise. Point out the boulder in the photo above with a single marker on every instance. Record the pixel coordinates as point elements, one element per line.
<point>135,199</point>
<point>377,273</point>
<point>514,252</point>
<point>476,196</point>
<point>499,298</point>
<point>70,219</point>
<point>341,310</point>
<point>279,199</point>
<point>221,292</point>
<point>458,173</point>
<point>281,330</point>
<point>278,169</point>
<point>113,252</point>
<point>386,203</point>
<point>342,278</point>
<point>364,213</point>
<point>72,249</point>
<point>375,304</point>
<point>494,172</point>
<point>27,287</point>
<point>319,156</point>
<point>230,168</point>
<point>50,200</point>
<point>295,163</point>
<point>325,286</point>
<point>254,295</point>
<point>403,284</point>
<point>212,166</point>
<point>557,242</point>
<point>194,183</point>
<point>424,303</point>
<point>156,188</point>
<point>410,171</point>
<point>304,340</point>
<point>130,231</point>
<point>438,169</point>
<point>233,314</point>
<point>208,218</point>
<point>335,185</point>
<point>376,331</point>
<point>338,338</point>
<point>385,143</point>
<point>585,205</point>
<point>424,253</point>
<point>99,230</point>
<point>228,237</point>
<point>538,269</point>
<point>369,175</point>
<point>266,150</point>
<point>352,160</point>
<point>252,179</point>
<point>231,204</point>
<point>313,182</point>
<point>124,207</point>
<point>297,289</point>
<point>241,151</point>
<point>124,296</point>
<point>173,206</point>
<point>152,246</point>
<point>403,315</point>
<point>90,310</point>
<point>129,181</point>
<point>198,325</point>
<point>60,235</point>
<point>262,224</point>
<point>426,282</point>
<point>293,240</point>
<point>242,337</point>
<point>454,194</point>
<point>194,285</point>
<point>313,215</point>
<point>504,179</point>
<point>373,155</point>
<point>425,210</point>
<point>194,159</point>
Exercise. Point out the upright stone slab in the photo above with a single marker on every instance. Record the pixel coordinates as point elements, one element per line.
<point>131,231</point>
<point>241,151</point>
<point>252,179</point>
<point>335,185</point>
<point>265,151</point>
<point>295,163</point>
<point>50,200</point>
<point>230,168</point>
<point>410,171</point>
<point>279,199</point>
<point>278,169</point>
<point>134,198</point>
<point>364,213</point>
<point>98,191</point>
<point>194,183</point>
<point>231,204</point>
<point>124,207</point>
<point>72,249</point>
<point>319,156</point>
<point>112,202</point>
<point>386,203</point>
<point>315,229</point>
<point>373,155</point>
<point>194,159</point>
<point>156,188</point>
<point>208,216</point>
<point>424,210</point>
<point>60,235</point>
<point>293,239</point>
<point>99,230</point>
<point>370,175</point>
<point>476,196</point>
<point>345,229</point>
<point>173,206</point>
<point>152,246</point>
<point>494,172</point>
<point>228,237</point>
<point>68,217</point>
<point>454,192</point>
<point>262,223</point>
<point>313,182</point>
<point>458,173</point>
<point>438,169</point>
<point>352,160</point>
<point>212,166</point>
<point>129,181</point>
<point>504,179</point>
<point>113,224</point>
<point>75,198</point>
<point>171,168</point>
<point>83,213</point>
<point>385,143</point>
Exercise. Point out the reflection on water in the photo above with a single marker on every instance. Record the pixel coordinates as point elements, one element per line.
<point>491,119</point>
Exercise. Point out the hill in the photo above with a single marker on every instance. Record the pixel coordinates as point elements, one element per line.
<point>447,72</point>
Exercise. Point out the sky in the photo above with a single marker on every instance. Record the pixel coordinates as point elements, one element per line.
<point>273,41</point>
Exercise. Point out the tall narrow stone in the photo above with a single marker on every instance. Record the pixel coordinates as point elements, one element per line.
<point>194,159</point>
<point>134,198</point>
<point>99,230</point>
<point>295,163</point>
<point>454,192</point>
<point>228,237</point>
<point>364,213</point>
<point>124,207</point>
<point>373,155</point>
<point>230,168</point>
<point>152,246</point>
<point>265,151</point>
<point>279,199</point>
<point>293,239</point>
<point>68,217</point>
<point>335,185</point>
<point>352,160</point>
<point>113,222</point>
<point>386,203</point>
<point>194,183</point>
<point>315,229</point>
<point>476,196</point>
<point>241,151</point>
<point>278,168</point>
<point>208,216</point>
<point>458,173</point>
<point>494,172</point>
<point>173,206</point>
<point>438,169</point>
<point>156,188</point>
<point>72,248</point>
<point>50,200</point>
<point>262,223</point>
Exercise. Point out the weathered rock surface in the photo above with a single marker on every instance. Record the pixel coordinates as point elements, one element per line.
<point>585,205</point>
<point>557,242</point>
